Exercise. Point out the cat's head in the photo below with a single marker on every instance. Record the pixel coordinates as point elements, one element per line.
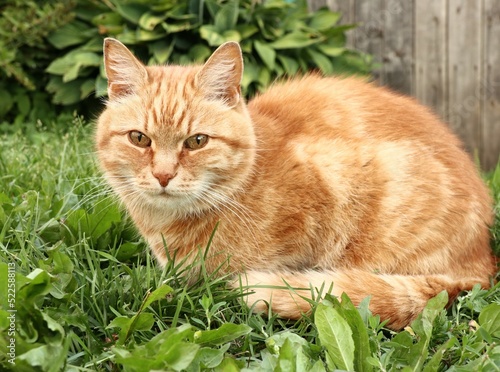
<point>175,138</point>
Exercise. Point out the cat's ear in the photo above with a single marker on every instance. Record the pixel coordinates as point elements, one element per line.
<point>220,77</point>
<point>125,72</point>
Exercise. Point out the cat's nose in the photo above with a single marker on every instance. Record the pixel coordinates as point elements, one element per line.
<point>163,178</point>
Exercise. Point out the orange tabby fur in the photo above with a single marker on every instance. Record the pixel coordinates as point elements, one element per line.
<point>317,181</point>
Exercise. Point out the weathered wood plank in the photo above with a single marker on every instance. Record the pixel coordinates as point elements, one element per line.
<point>397,53</point>
<point>464,70</point>
<point>370,15</point>
<point>490,114</point>
<point>430,85</point>
<point>316,4</point>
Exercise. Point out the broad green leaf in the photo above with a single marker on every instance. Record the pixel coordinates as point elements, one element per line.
<point>227,17</point>
<point>70,65</point>
<point>143,35</point>
<point>324,19</point>
<point>290,65</point>
<point>50,357</point>
<point>318,367</point>
<point>322,61</point>
<point>131,11</point>
<point>267,54</point>
<point>139,322</point>
<point>72,33</point>
<point>211,35</point>
<point>199,53</point>
<point>330,50</point>
<point>149,20</point>
<point>87,58</point>
<point>119,322</point>
<point>39,285</point>
<point>172,28</point>
<point>264,77</point>
<point>211,358</point>
<point>101,86</point>
<point>158,294</point>
<point>336,336</point>
<point>54,326</point>
<point>226,333</point>
<point>61,262</point>
<point>72,73</point>
<point>60,66</point>
<point>162,342</point>
<point>362,348</point>
<point>294,40</point>
<point>108,19</point>
<point>142,322</point>
<point>228,365</point>
<point>231,35</point>
<point>250,74</point>
<point>127,38</point>
<point>286,358</point>
<point>132,361</point>
<point>128,250</point>
<point>302,360</point>
<point>489,319</point>
<point>64,93</point>
<point>277,340</point>
<point>180,355</point>
<point>87,88</point>
<point>246,30</point>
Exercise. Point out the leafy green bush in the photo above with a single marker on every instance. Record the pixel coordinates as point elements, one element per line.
<point>278,38</point>
<point>25,52</point>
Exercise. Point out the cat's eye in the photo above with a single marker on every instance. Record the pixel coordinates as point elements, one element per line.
<point>139,139</point>
<point>196,142</point>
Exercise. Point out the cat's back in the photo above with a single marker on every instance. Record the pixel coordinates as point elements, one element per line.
<point>347,106</point>
<point>354,122</point>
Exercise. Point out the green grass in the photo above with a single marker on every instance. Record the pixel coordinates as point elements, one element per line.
<point>90,297</point>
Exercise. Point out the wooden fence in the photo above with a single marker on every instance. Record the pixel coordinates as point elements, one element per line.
<point>446,53</point>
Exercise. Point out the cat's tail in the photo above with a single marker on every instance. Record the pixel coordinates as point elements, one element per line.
<point>396,298</point>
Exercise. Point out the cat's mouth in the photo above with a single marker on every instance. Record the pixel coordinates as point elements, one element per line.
<point>165,193</point>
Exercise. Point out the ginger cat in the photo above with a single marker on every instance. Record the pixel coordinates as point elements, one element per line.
<point>317,181</point>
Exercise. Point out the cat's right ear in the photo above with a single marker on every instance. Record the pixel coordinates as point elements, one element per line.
<point>125,72</point>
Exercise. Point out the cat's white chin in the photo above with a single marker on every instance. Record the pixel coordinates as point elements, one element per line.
<point>174,200</point>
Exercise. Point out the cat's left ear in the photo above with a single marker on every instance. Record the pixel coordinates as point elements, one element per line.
<point>125,73</point>
<point>220,77</point>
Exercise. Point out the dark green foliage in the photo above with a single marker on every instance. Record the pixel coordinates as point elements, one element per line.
<point>62,54</point>
<point>25,52</point>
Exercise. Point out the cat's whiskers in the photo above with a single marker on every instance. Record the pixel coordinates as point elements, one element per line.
<point>82,197</point>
